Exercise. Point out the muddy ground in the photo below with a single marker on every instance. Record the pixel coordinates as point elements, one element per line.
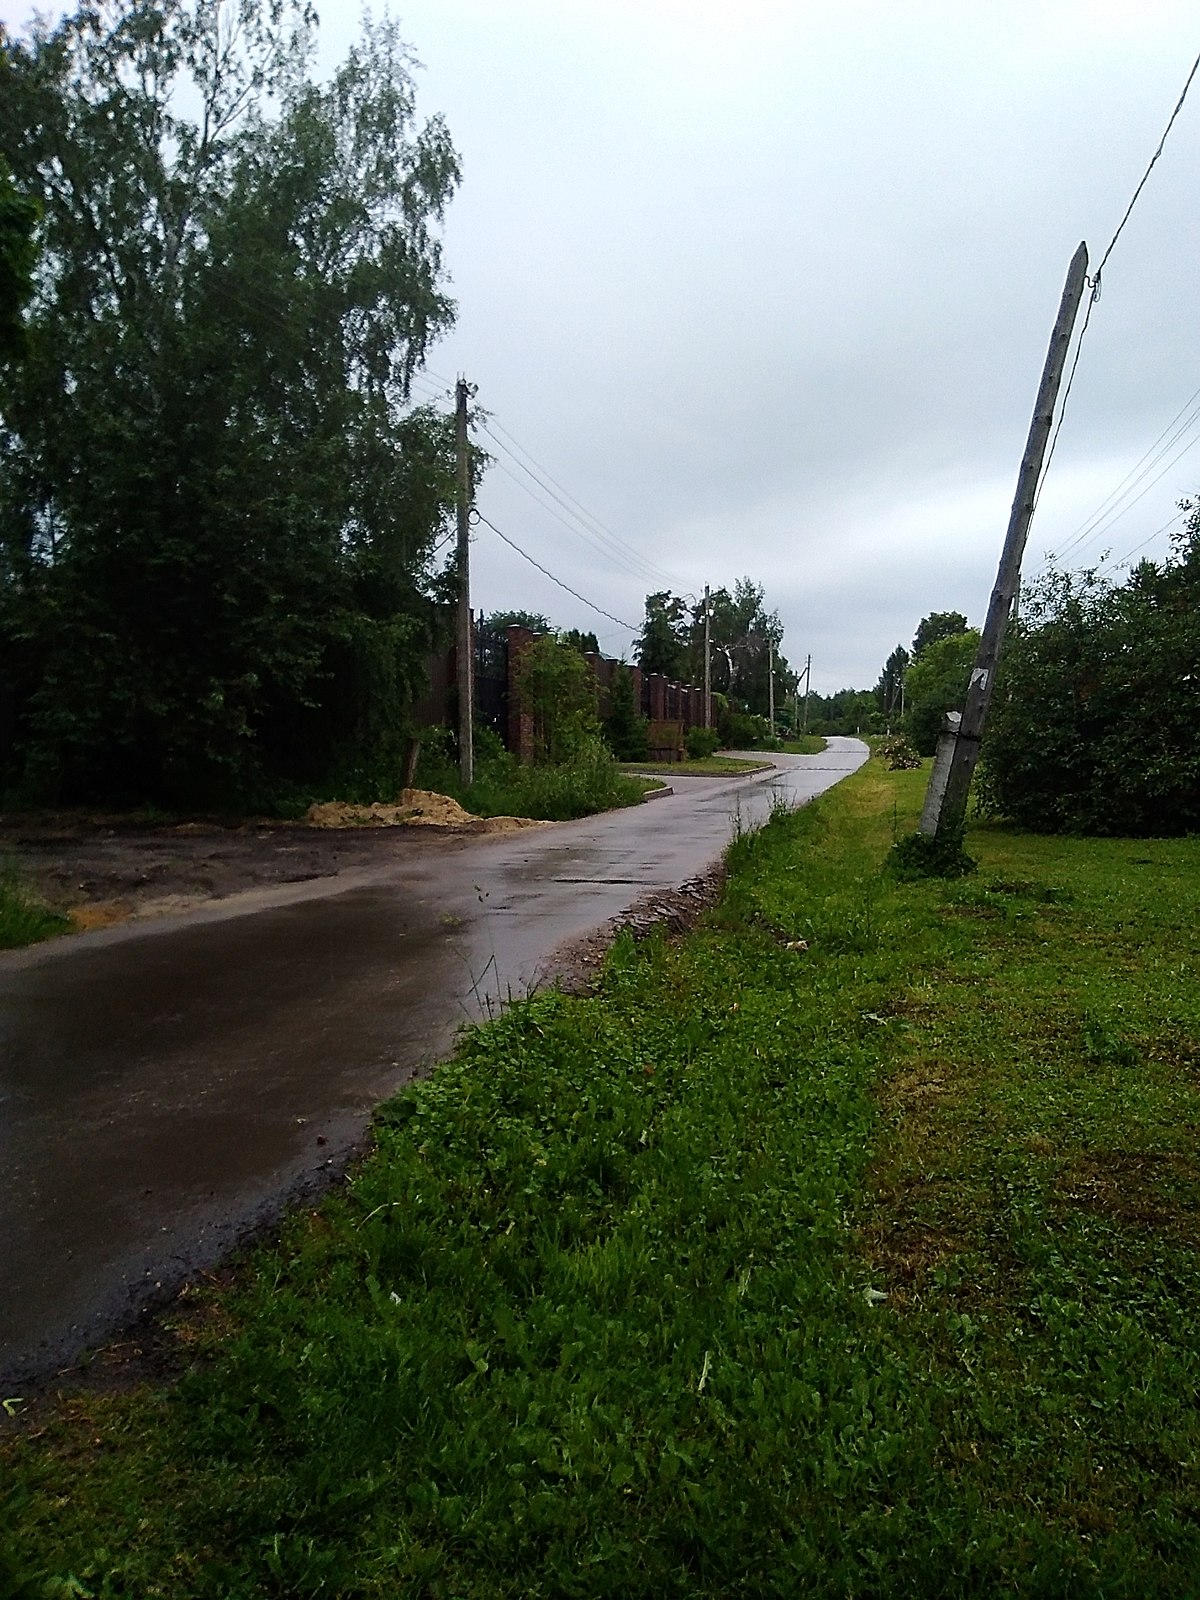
<point>107,869</point>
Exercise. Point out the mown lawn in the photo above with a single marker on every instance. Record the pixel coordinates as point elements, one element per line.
<point>845,1248</point>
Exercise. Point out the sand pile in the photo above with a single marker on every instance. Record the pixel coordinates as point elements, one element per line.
<point>419,808</point>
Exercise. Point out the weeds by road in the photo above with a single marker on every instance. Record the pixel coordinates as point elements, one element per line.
<point>702,767</point>
<point>845,1247</point>
<point>24,919</point>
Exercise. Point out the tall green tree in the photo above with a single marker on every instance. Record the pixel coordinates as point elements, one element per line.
<point>937,625</point>
<point>217,512</point>
<point>936,682</point>
<point>889,689</point>
<point>662,645</point>
<point>18,219</point>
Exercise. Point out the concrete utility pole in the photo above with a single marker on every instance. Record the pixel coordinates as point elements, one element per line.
<point>464,640</point>
<point>707,663</point>
<point>771,683</point>
<point>950,782</point>
<point>807,682</point>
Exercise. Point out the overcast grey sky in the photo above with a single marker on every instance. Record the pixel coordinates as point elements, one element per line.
<point>767,285</point>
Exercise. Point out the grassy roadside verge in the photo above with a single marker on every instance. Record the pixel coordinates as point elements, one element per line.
<point>23,918</point>
<point>847,1247</point>
<point>702,767</point>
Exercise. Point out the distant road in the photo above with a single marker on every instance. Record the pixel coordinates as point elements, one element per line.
<point>164,1085</point>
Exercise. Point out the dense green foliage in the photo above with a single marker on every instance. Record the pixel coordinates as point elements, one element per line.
<point>626,730</point>
<point>217,514</point>
<point>794,1261</point>
<point>586,783</point>
<point>557,690</point>
<point>18,219</point>
<point>742,635</point>
<point>889,691</point>
<point>1094,725</point>
<point>936,626</point>
<point>701,742</point>
<point>936,682</point>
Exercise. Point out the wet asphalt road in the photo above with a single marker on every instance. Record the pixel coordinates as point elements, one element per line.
<point>165,1086</point>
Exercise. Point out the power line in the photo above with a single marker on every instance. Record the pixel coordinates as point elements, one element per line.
<point>591,605</point>
<point>571,527</point>
<point>1173,431</point>
<point>1102,521</point>
<point>575,507</point>
<point>1140,546</point>
<point>1095,279</point>
<point>1145,175</point>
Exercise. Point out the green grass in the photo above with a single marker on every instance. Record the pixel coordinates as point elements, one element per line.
<point>804,744</point>
<point>24,919</point>
<point>702,767</point>
<point>845,1248</point>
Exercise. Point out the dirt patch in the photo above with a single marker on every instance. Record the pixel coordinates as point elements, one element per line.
<point>1145,1191</point>
<point>575,966</point>
<point>103,870</point>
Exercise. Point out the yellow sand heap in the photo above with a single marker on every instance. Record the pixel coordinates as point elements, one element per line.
<point>415,808</point>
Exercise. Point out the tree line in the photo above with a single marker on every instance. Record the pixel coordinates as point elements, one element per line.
<point>220,516</point>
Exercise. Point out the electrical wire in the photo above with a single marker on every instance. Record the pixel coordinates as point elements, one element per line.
<point>1142,184</point>
<point>569,526</point>
<point>575,508</point>
<point>1174,430</point>
<point>1124,560</point>
<point>591,605</point>
<point>1101,524</point>
<point>1095,278</point>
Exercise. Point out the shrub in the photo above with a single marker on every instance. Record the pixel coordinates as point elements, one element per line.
<point>701,742</point>
<point>625,729</point>
<point>1093,725</point>
<point>899,754</point>
<point>742,730</point>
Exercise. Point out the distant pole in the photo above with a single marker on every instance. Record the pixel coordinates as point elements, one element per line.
<point>707,664</point>
<point>946,818</point>
<point>465,644</point>
<point>807,685</point>
<point>771,683</point>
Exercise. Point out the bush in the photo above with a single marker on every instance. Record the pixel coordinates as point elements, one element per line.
<point>701,742</point>
<point>1093,725</point>
<point>899,754</point>
<point>625,729</point>
<point>590,782</point>
<point>742,730</point>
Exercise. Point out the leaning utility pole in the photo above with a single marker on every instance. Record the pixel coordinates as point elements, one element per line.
<point>464,641</point>
<point>950,782</point>
<point>707,665</point>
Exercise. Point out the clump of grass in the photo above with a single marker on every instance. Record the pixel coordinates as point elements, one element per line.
<point>23,918</point>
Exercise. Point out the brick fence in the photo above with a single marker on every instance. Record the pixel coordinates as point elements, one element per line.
<point>672,708</point>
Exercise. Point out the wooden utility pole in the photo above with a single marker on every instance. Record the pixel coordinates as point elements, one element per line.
<point>707,664</point>
<point>944,812</point>
<point>771,683</point>
<point>464,640</point>
<point>807,684</point>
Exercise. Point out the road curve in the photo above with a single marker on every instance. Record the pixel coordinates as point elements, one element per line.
<point>165,1086</point>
